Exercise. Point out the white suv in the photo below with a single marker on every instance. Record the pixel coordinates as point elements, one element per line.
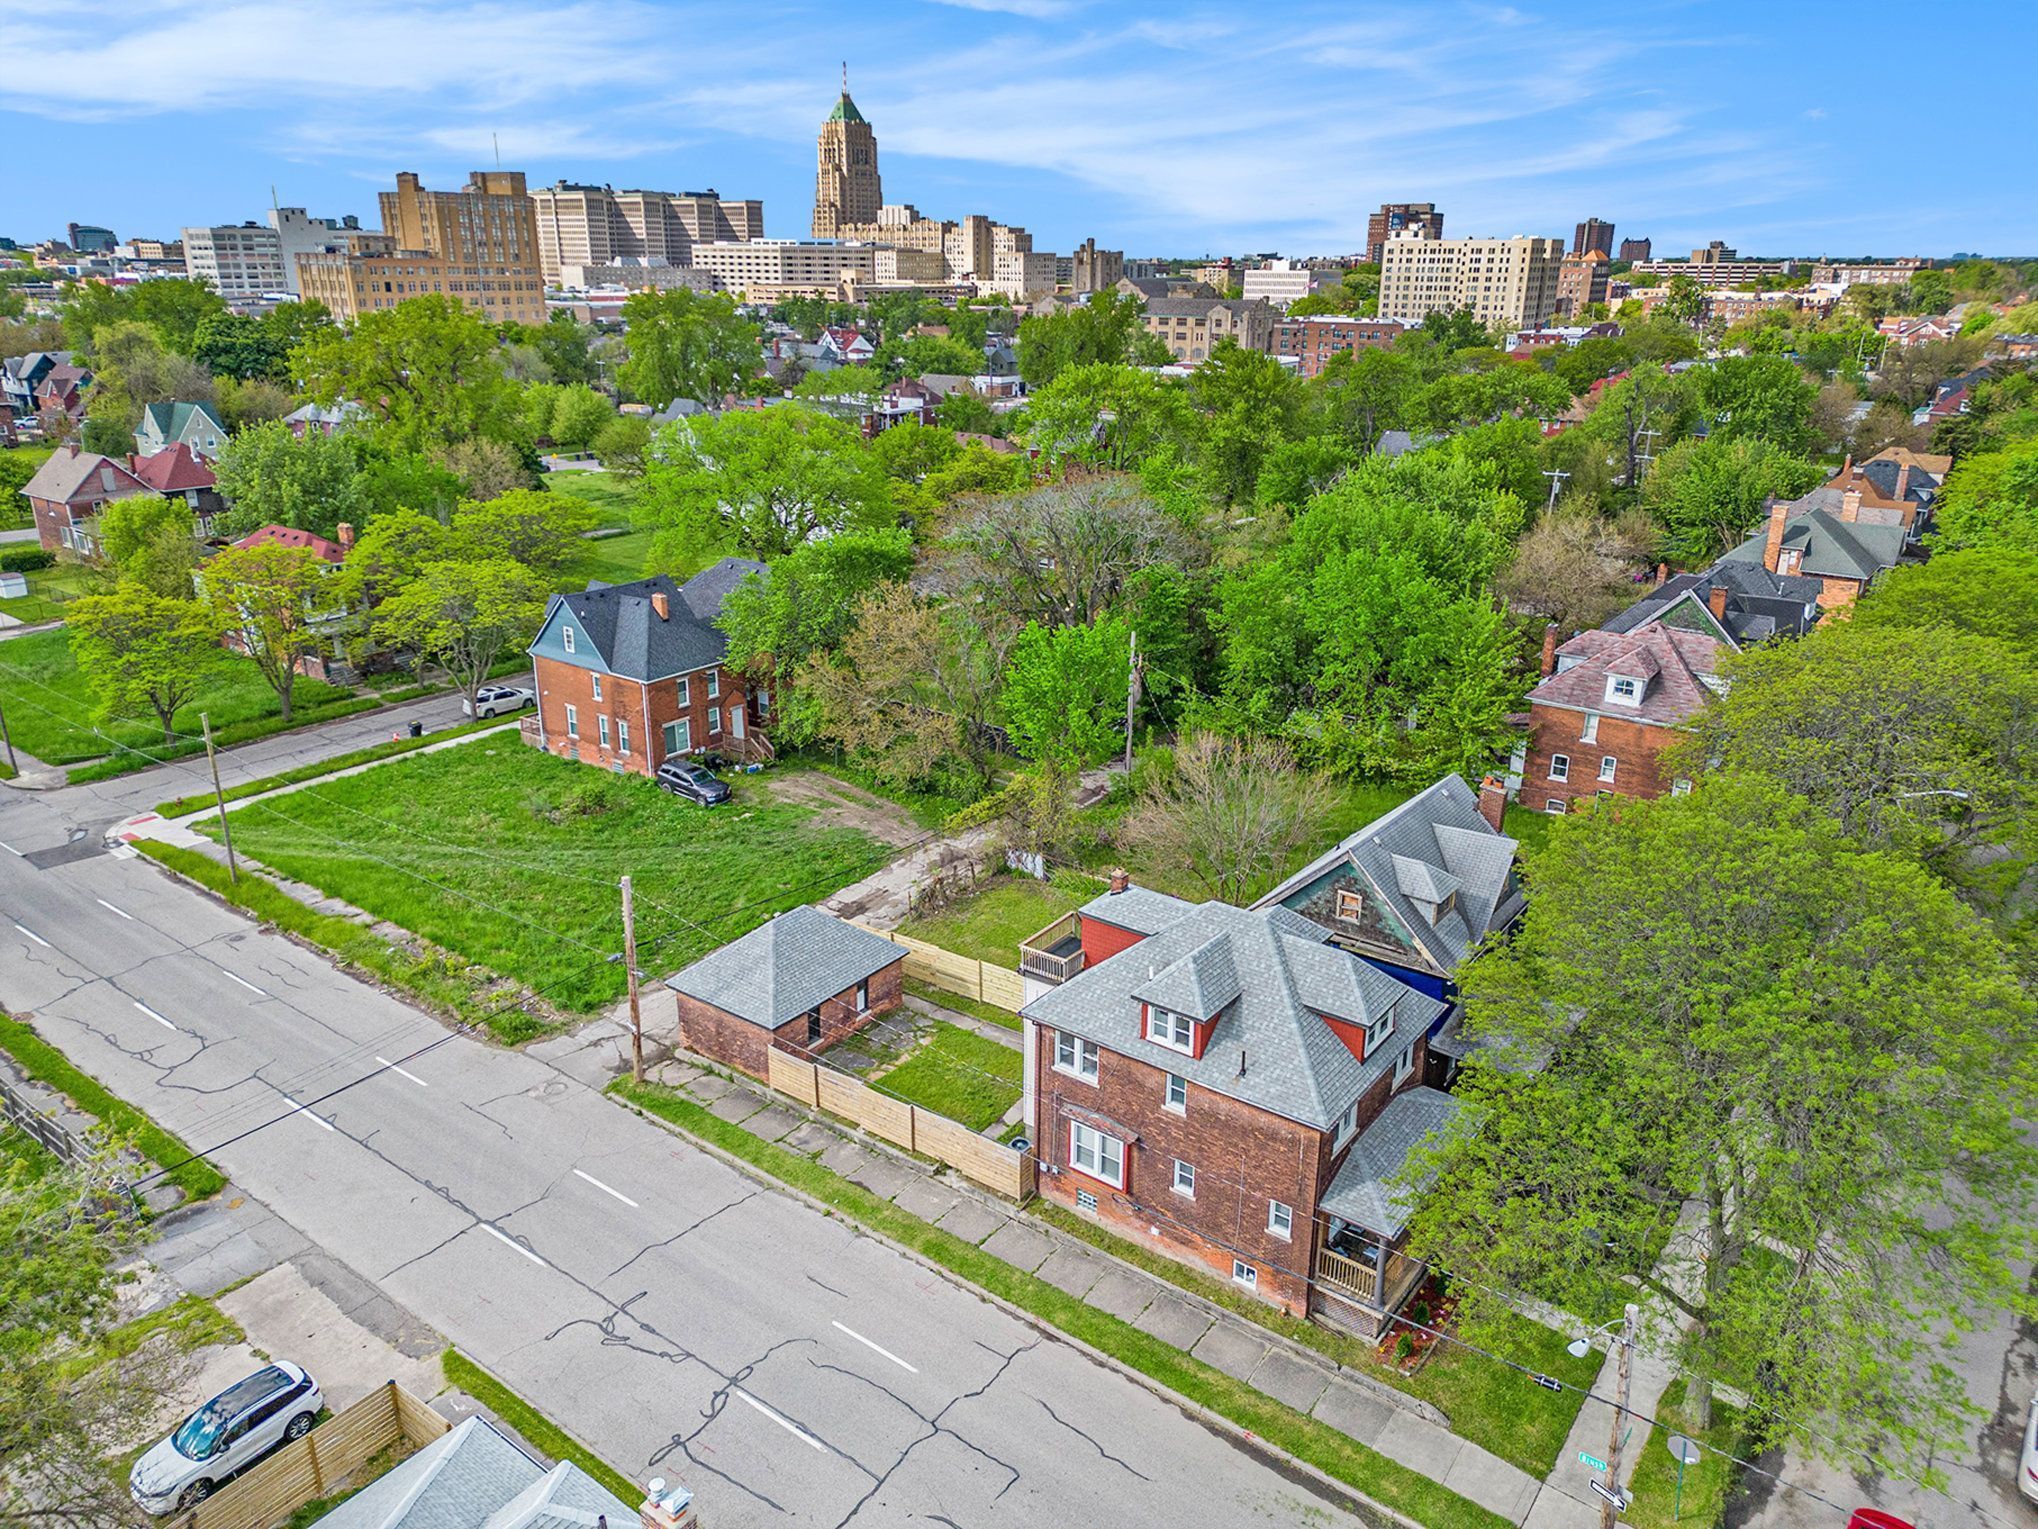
<point>494,700</point>
<point>226,1436</point>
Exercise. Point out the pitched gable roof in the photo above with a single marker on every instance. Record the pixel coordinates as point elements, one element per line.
<point>474,1478</point>
<point>171,420</point>
<point>1677,664</point>
<point>289,536</point>
<point>1830,546</point>
<point>66,475</point>
<point>1759,605</point>
<point>1364,1191</point>
<point>173,470</point>
<point>786,967</point>
<point>634,641</point>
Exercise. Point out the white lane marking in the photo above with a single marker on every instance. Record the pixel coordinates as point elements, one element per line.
<point>45,944</point>
<point>874,1348</point>
<point>509,1241</point>
<point>111,909</point>
<point>11,849</point>
<point>784,1422</point>
<point>241,980</point>
<point>152,1014</point>
<point>605,1189</point>
<point>420,1082</point>
<point>305,1111</point>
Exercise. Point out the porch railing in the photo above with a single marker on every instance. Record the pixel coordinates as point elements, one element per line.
<point>1360,1281</point>
<point>1046,954</point>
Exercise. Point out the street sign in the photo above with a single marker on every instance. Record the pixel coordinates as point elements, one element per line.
<point>1592,1460</point>
<point>1682,1450</point>
<point>1618,1499</point>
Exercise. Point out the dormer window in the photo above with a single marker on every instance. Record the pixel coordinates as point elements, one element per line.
<point>1177,1032</point>
<point>1623,689</point>
<point>1378,1031</point>
<point>1350,904</point>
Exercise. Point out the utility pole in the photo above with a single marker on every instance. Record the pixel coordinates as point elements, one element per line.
<point>1608,1511</point>
<point>1556,477</point>
<point>1132,688</point>
<point>630,968</point>
<point>8,739</point>
<point>226,834</point>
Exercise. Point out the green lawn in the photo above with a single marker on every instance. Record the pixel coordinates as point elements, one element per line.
<point>989,924</point>
<point>960,1074</point>
<point>509,857</point>
<point>1655,1503</point>
<point>614,496</point>
<point>53,715</point>
<point>50,590</point>
<point>612,559</point>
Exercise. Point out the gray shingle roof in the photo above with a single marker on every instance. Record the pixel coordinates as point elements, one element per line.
<point>635,642</point>
<point>1361,1193</point>
<point>474,1478</point>
<point>1830,545</point>
<point>786,966</point>
<point>1139,909</point>
<point>1271,1047</point>
<point>1760,604</point>
<point>64,476</point>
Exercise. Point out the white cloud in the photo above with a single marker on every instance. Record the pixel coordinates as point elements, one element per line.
<point>1033,9</point>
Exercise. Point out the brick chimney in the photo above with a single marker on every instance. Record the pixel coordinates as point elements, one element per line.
<point>1549,649</point>
<point>1779,513</point>
<point>1493,801</point>
<point>1716,602</point>
<point>344,535</point>
<point>1850,506</point>
<point>71,447</point>
<point>1662,574</point>
<point>1121,881</point>
<point>661,605</point>
<point>1903,482</point>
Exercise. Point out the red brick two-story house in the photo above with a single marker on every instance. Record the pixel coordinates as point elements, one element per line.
<point>1824,535</point>
<point>69,490</point>
<point>630,675</point>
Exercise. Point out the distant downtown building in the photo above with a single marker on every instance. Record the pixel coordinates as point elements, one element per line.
<point>847,189</point>
<point>1393,217</point>
<point>1191,327</point>
<point>299,233</point>
<point>1282,282</point>
<point>1592,234</point>
<point>600,226</point>
<point>90,238</point>
<point>1581,281</point>
<point>1507,284</point>
<point>478,244</point>
<point>238,261</point>
<point>1717,265</point>
<point>767,269</point>
<point>1635,249</point>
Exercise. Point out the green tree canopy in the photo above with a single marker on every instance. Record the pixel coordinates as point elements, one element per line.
<point>540,530</point>
<point>1250,404</point>
<point>1707,495</point>
<point>174,310</point>
<point>1991,500</point>
<point>685,344</point>
<point>1104,331</point>
<point>142,653</point>
<point>1064,692</point>
<point>1760,398</point>
<point>808,601</point>
<point>463,615</point>
<point>428,371</point>
<point>271,597</point>
<point>1364,393</point>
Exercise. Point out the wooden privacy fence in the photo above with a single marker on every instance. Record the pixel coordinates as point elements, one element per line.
<point>314,1465</point>
<point>984,981</point>
<point>989,1163</point>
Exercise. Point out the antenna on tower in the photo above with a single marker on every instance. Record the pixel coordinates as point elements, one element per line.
<point>845,76</point>
<point>496,139</point>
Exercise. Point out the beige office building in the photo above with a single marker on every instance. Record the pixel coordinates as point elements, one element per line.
<point>601,226</point>
<point>478,244</point>
<point>238,262</point>
<point>1507,283</point>
<point>1022,273</point>
<point>786,267</point>
<point>1191,326</point>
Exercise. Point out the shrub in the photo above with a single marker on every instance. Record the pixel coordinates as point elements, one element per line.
<point>25,559</point>
<point>1404,1346</point>
<point>1419,1313</point>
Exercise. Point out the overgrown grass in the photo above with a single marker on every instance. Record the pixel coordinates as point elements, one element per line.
<point>989,923</point>
<point>1707,1485</point>
<point>1386,1481</point>
<point>190,1321</point>
<point>541,1432</point>
<point>929,809</point>
<point>460,989</point>
<point>960,1074</point>
<point>1497,1408</point>
<point>612,559</point>
<point>509,857</point>
<point>388,749</point>
<point>990,1013</point>
<point>53,713</point>
<point>613,495</point>
<point>51,1068</point>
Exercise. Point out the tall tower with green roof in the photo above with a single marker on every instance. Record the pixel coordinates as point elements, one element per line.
<point>846,188</point>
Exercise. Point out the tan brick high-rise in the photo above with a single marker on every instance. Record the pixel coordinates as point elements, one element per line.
<point>846,188</point>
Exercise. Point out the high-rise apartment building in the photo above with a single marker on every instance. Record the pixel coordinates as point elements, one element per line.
<point>238,261</point>
<point>478,244</point>
<point>1394,217</point>
<point>1636,249</point>
<point>1507,284</point>
<point>1581,281</point>
<point>299,233</point>
<point>846,186</point>
<point>1592,234</point>
<point>767,269</point>
<point>580,226</point>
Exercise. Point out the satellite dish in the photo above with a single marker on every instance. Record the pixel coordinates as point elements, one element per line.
<point>1682,1450</point>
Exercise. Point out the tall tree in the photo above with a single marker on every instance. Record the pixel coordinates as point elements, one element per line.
<point>1708,494</point>
<point>1230,813</point>
<point>1367,392</point>
<point>153,542</point>
<point>463,616</point>
<point>271,476</point>
<point>142,653</point>
<point>1105,415</point>
<point>1575,568</point>
<point>428,372</point>
<point>1642,415</point>
<point>1251,404</point>
<point>1065,692</point>
<point>1703,991</point>
<point>685,344</point>
<point>1106,331</point>
<point>271,597</point>
<point>809,598</point>
<point>1990,499</point>
<point>1061,554</point>
<point>540,530</point>
<point>1760,398</point>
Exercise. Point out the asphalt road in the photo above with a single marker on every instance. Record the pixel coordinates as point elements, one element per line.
<point>672,1313</point>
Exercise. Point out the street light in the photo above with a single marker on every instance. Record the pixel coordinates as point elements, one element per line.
<point>1611,1499</point>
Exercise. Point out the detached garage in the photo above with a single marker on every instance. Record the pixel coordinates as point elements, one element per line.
<point>801,982</point>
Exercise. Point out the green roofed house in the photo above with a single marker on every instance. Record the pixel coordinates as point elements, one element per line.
<point>180,424</point>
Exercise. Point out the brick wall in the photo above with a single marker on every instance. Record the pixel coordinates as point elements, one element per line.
<point>1636,747</point>
<point>722,1037</point>
<point>647,708</point>
<point>51,518</point>
<point>1101,940</point>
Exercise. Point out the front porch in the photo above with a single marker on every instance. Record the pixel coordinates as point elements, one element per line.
<point>1360,1289</point>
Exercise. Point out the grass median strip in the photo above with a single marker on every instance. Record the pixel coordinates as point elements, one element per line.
<point>527,1420</point>
<point>470,993</point>
<point>51,1068</point>
<point>1344,1459</point>
<point>178,806</point>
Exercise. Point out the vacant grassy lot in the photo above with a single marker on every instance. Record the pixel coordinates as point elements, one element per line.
<point>960,1074</point>
<point>509,857</point>
<point>989,924</point>
<point>53,715</point>
<point>612,559</point>
<point>50,590</point>
<point>614,496</point>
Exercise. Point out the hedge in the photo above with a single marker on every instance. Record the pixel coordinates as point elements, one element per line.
<point>26,559</point>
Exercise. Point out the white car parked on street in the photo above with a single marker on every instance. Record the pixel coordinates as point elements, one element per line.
<point>494,700</point>
<point>226,1436</point>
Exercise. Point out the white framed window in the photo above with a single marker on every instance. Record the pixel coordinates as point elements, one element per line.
<point>678,736</point>
<point>1560,767</point>
<point>714,683</point>
<point>1243,1273</point>
<point>566,638</point>
<point>622,735</point>
<point>1591,732</point>
<point>1378,1031</point>
<point>1607,765</point>
<point>1625,690</point>
<point>1680,787</point>
<point>763,700</point>
<point>685,692</point>
<point>714,720</point>
<point>1554,804</point>
<point>1185,1179</point>
<point>1176,1097</point>
<point>572,720</point>
<point>1166,1028</point>
<point>597,685</point>
<point>862,997</point>
<point>1280,1218</point>
<point>602,724</point>
<point>1350,904</point>
<point>1075,1056</point>
<point>1101,1157</point>
<point>1403,1066</point>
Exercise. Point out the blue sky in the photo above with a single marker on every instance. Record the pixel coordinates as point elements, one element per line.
<point>1783,127</point>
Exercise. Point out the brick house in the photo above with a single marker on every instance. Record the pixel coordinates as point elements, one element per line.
<point>1897,487</point>
<point>176,472</point>
<point>331,662</point>
<point>1825,536</point>
<point>69,489</point>
<point>630,675</point>
<point>1313,340</point>
<point>799,982</point>
<point>1235,1090</point>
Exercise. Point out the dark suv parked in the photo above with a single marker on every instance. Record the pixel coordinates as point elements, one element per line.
<point>682,777</point>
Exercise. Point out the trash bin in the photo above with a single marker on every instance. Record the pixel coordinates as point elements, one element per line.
<point>417,729</point>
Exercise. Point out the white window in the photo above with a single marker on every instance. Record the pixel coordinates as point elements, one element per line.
<point>1403,1066</point>
<point>1350,904</point>
<point>602,722</point>
<point>1185,1179</point>
<point>685,692</point>
<point>1280,1218</point>
<point>1101,1157</point>
<point>678,736</point>
<point>622,735</point>
<point>572,720</point>
<point>1245,1274</point>
<point>1075,1056</point>
<point>1177,1096</point>
<point>597,685</point>
<point>1607,765</point>
<point>1174,1031</point>
<point>1680,787</point>
<point>1560,767</point>
<point>1591,733</point>
<point>566,638</point>
<point>1378,1031</point>
<point>714,721</point>
<point>862,996</point>
<point>1554,804</point>
<point>1347,1123</point>
<point>763,700</point>
<point>1624,690</point>
<point>714,683</point>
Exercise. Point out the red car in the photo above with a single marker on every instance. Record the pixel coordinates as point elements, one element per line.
<point>1875,1518</point>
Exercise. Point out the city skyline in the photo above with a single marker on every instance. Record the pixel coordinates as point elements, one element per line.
<point>1176,134</point>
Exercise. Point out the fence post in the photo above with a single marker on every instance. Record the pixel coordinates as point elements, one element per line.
<point>318,1480</point>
